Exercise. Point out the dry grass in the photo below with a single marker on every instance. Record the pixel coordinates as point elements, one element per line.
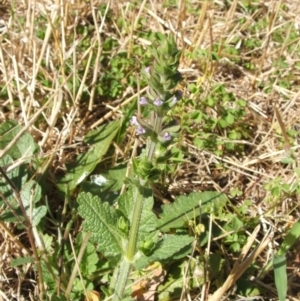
<point>50,83</point>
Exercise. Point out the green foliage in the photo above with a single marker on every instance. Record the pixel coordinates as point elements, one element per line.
<point>220,128</point>
<point>279,263</point>
<point>100,139</point>
<point>100,219</point>
<point>24,145</point>
<point>167,248</point>
<point>103,221</point>
<point>177,214</point>
<point>30,191</point>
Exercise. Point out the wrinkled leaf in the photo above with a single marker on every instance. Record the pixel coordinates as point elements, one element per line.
<point>101,220</point>
<point>175,215</point>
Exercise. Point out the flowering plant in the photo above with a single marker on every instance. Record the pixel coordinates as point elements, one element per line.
<point>162,78</point>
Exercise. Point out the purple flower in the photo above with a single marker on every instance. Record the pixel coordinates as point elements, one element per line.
<point>174,100</point>
<point>140,130</point>
<point>133,121</point>
<point>167,136</point>
<point>143,101</point>
<point>158,102</point>
<point>147,70</point>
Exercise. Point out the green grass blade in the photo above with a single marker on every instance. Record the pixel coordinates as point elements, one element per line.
<point>290,239</point>
<point>279,264</point>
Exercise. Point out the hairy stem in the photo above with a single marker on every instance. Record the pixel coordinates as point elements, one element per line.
<point>135,222</point>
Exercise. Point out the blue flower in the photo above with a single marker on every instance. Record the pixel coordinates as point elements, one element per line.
<point>140,130</point>
<point>167,136</point>
<point>158,102</point>
<point>143,101</point>
<point>133,121</point>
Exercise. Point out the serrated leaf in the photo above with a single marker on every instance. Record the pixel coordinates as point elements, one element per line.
<point>101,219</point>
<point>24,145</point>
<point>148,222</point>
<point>100,140</point>
<point>108,191</point>
<point>184,208</point>
<point>170,245</point>
<point>89,261</point>
<point>166,248</point>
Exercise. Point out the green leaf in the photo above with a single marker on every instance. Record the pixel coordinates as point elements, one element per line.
<point>24,146</point>
<point>279,264</point>
<point>37,214</point>
<point>229,118</point>
<point>171,289</point>
<point>290,239</point>
<point>107,184</point>
<point>88,264</point>
<point>8,199</point>
<point>148,222</point>
<point>187,207</point>
<point>100,140</point>
<point>101,219</point>
<point>168,247</point>
<point>31,193</point>
<point>223,123</point>
<point>21,261</point>
<point>18,176</point>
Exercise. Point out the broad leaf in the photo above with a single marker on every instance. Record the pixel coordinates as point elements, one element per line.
<point>101,219</point>
<point>100,140</point>
<point>184,208</point>
<point>12,211</point>
<point>31,192</point>
<point>18,176</point>
<point>166,248</point>
<point>24,146</point>
<point>170,245</point>
<point>148,222</point>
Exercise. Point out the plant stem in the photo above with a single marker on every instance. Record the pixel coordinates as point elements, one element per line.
<point>131,247</point>
<point>135,221</point>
